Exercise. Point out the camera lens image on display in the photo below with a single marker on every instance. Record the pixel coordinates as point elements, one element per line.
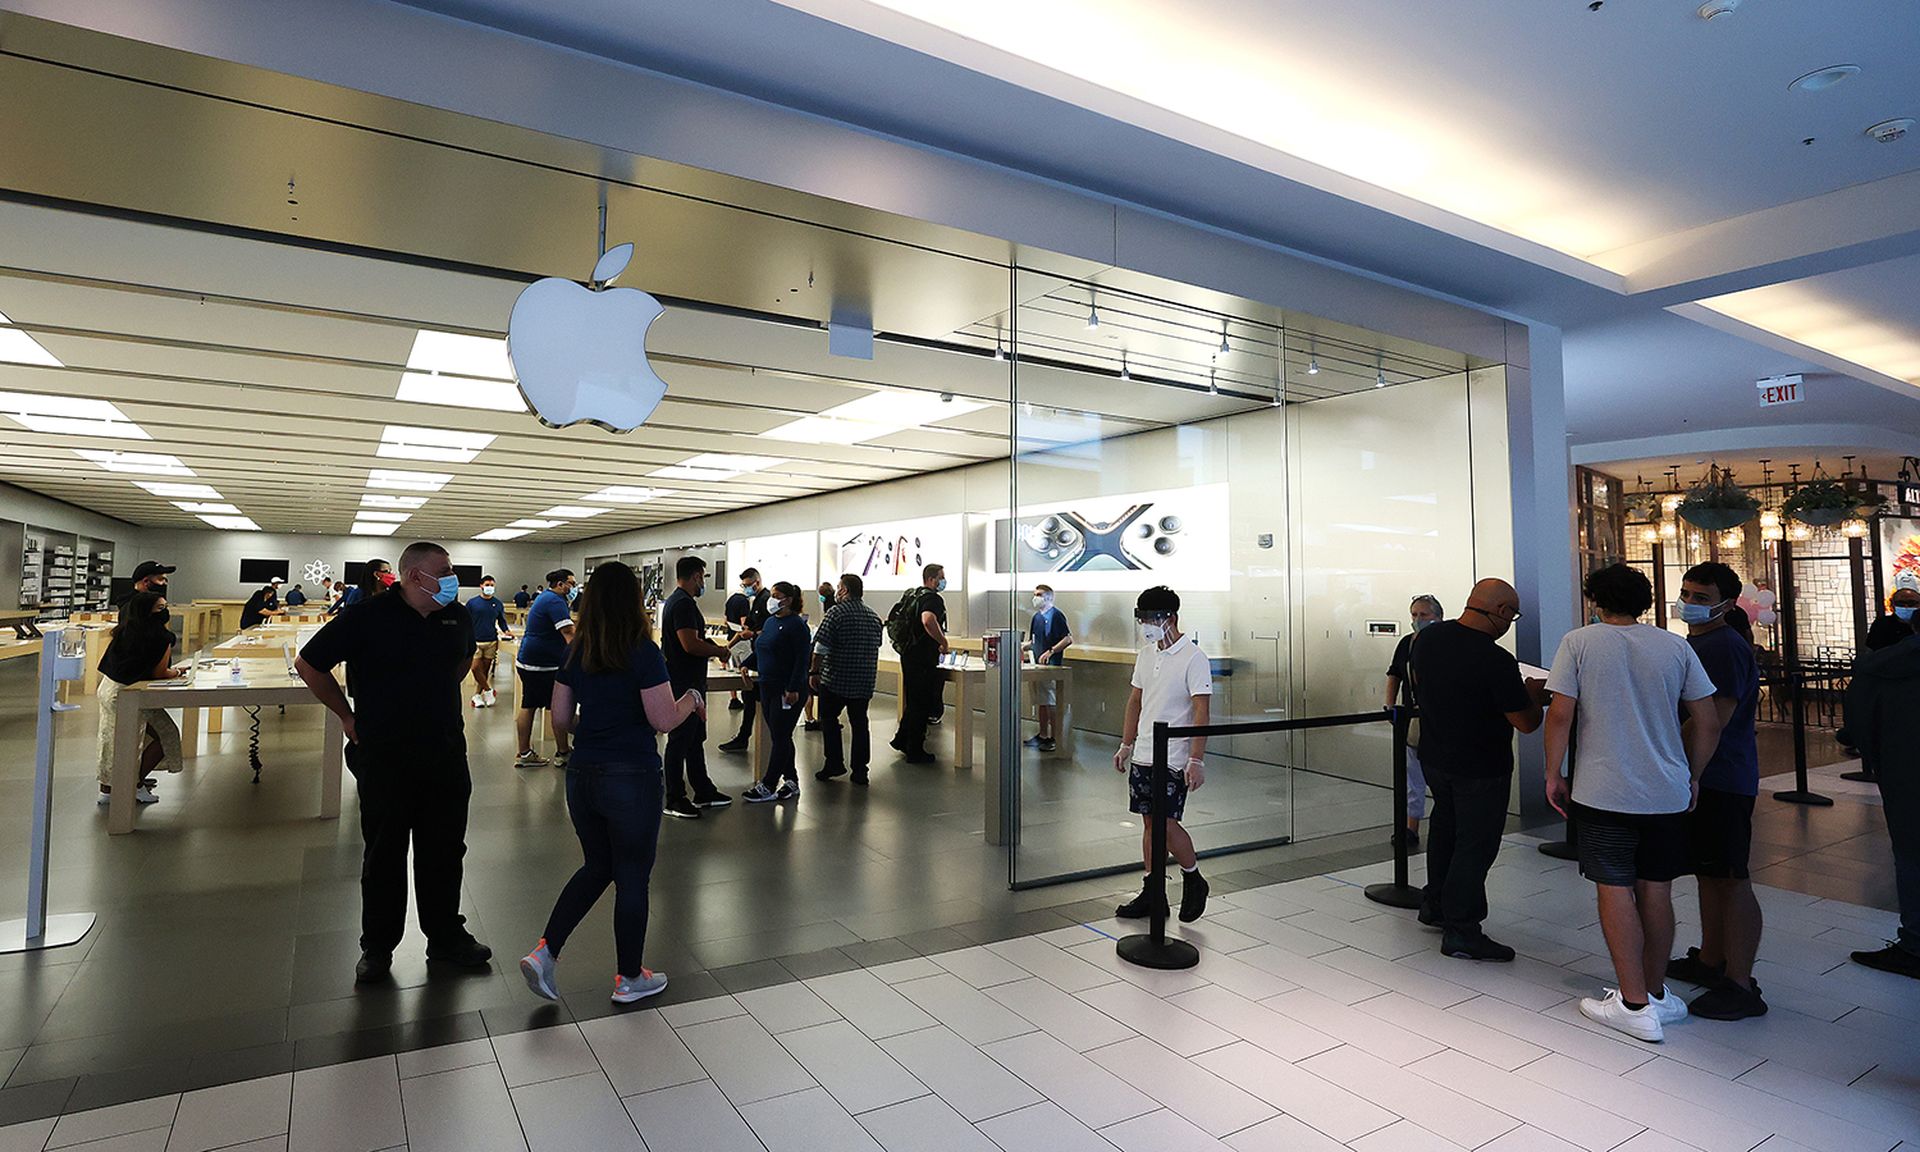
<point>1121,541</point>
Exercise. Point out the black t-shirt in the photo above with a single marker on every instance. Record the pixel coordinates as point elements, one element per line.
<point>684,670</point>
<point>250,612</point>
<point>1466,685</point>
<point>1888,630</point>
<point>757,612</point>
<point>738,605</point>
<point>134,653</point>
<point>1398,665</point>
<point>406,670</point>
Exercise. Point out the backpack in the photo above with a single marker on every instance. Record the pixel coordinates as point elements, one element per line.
<point>904,629</point>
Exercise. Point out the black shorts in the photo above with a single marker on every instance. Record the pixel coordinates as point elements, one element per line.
<point>1140,790</point>
<point>1619,848</point>
<point>1720,834</point>
<point>536,688</point>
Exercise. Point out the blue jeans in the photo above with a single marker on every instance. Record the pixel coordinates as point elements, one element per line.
<point>616,815</point>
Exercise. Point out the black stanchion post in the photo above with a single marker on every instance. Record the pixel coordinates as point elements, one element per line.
<point>1398,894</point>
<point>1800,793</point>
<point>1153,949</point>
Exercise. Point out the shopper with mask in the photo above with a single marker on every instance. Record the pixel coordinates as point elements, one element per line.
<point>406,652</point>
<point>782,655</point>
<point>140,648</point>
<point>1903,613</point>
<point>1048,638</point>
<point>1472,700</point>
<point>151,576</point>
<point>826,594</point>
<point>846,651</point>
<point>1172,683</point>
<point>1720,827</point>
<point>683,640</point>
<point>1424,610</point>
<point>1883,713</point>
<point>489,629</point>
<point>751,622</point>
<point>917,627</point>
<point>259,608</point>
<point>543,649</point>
<point>738,605</point>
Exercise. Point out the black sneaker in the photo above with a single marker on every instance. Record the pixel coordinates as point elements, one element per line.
<point>1193,895</point>
<point>373,966</point>
<point>1892,958</point>
<point>1728,1001</point>
<point>1407,837</point>
<point>1694,970</point>
<point>1481,947</point>
<point>1428,915</point>
<point>465,952</point>
<point>917,757</point>
<point>810,725</point>
<point>1138,908</point>
<point>788,790</point>
<point>1046,746</point>
<point>830,773</point>
<point>713,800</point>
<point>859,779</point>
<point>736,706</point>
<point>735,746</point>
<point>896,745</point>
<point>683,808</point>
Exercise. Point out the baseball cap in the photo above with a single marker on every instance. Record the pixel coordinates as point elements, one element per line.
<point>277,580</point>
<point>148,568</point>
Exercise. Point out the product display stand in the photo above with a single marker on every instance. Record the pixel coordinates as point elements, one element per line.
<point>62,657</point>
<point>1153,949</point>
<point>1399,893</point>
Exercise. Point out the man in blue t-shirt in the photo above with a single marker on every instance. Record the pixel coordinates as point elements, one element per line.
<point>489,628</point>
<point>1720,827</point>
<point>1048,639</point>
<point>543,649</point>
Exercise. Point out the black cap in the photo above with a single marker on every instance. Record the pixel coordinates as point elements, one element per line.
<point>148,568</point>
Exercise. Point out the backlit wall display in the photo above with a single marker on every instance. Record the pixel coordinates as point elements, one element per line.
<point>793,557</point>
<point>891,556</point>
<point>1176,537</point>
<point>1899,550</point>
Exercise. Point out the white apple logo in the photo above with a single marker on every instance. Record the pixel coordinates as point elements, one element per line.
<point>579,353</point>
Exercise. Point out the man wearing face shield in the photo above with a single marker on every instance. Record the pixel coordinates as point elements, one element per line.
<point>407,652</point>
<point>1048,638</point>
<point>1172,682</point>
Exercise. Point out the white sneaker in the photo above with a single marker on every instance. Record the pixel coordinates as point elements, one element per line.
<point>1613,1012</point>
<point>1670,1007</point>
<point>479,699</point>
<point>537,967</point>
<point>529,759</point>
<point>648,983</point>
<point>144,795</point>
<point>491,698</point>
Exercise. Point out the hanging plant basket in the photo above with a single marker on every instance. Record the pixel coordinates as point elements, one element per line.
<point>1716,519</point>
<point>1823,517</point>
<point>1823,502</point>
<point>1716,503</point>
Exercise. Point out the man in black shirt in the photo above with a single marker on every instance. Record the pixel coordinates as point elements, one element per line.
<point>683,640</point>
<point>737,607</point>
<point>755,590</point>
<point>1471,700</point>
<point>406,654</point>
<point>920,683</point>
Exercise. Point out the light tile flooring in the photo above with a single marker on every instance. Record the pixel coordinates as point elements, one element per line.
<point>1316,1021</point>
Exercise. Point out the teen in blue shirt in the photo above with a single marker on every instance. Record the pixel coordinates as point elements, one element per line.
<point>1048,638</point>
<point>543,648</point>
<point>489,628</point>
<point>782,653</point>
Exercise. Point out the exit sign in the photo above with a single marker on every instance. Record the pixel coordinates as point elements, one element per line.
<point>1780,390</point>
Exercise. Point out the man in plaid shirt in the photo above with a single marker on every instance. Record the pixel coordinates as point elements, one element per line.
<point>846,648</point>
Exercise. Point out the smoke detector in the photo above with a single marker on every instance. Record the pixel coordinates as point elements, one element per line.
<point>1714,9</point>
<point>1821,79</point>
<point>1887,131</point>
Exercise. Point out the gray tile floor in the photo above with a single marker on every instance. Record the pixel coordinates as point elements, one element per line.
<point>1315,1022</point>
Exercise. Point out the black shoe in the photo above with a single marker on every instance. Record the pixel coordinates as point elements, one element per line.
<point>1892,958</point>
<point>713,800</point>
<point>1481,947</point>
<point>1193,895</point>
<point>896,745</point>
<point>373,966</point>
<point>1694,970</point>
<point>810,725</point>
<point>830,773</point>
<point>683,808</point>
<point>736,706</point>
<point>1138,908</point>
<point>1407,837</point>
<point>1047,746</point>
<point>918,757</point>
<point>934,720</point>
<point>735,745</point>
<point>466,952</point>
<point>1728,1001</point>
<point>859,779</point>
<point>1429,916</point>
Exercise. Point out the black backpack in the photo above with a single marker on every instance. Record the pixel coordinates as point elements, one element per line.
<point>904,629</point>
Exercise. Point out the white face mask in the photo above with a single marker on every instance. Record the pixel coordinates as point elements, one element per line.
<point>487,591</point>
<point>1153,633</point>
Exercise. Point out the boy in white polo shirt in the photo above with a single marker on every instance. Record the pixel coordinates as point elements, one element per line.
<point>1172,682</point>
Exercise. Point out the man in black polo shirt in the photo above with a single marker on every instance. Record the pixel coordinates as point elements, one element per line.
<point>406,654</point>
<point>755,589</point>
<point>1471,700</point>
<point>683,640</point>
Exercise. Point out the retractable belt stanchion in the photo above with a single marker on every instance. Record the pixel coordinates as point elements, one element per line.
<point>62,657</point>
<point>1800,793</point>
<point>1154,949</point>
<point>1398,894</point>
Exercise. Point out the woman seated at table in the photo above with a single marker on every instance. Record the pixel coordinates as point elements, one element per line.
<point>139,649</point>
<point>260,607</point>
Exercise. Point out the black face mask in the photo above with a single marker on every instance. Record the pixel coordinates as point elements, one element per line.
<point>161,616</point>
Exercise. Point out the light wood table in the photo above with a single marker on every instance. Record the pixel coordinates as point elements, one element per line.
<point>262,642</point>
<point>22,622</point>
<point>971,679</point>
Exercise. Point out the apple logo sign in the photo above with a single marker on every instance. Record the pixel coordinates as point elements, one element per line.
<point>579,352</point>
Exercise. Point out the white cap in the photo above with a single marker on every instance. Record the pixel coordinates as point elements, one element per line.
<point>1908,581</point>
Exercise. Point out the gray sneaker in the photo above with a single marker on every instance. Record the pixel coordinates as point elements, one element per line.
<point>537,967</point>
<point>530,759</point>
<point>627,990</point>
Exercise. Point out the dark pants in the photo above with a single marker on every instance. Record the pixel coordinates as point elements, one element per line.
<point>780,752</point>
<point>831,705</point>
<point>1900,801</point>
<point>616,814</point>
<point>687,760</point>
<point>920,689</point>
<point>1463,839</point>
<point>418,799</point>
<point>750,697</point>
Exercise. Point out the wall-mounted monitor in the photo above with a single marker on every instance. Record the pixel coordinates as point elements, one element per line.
<point>469,575</point>
<point>261,571</point>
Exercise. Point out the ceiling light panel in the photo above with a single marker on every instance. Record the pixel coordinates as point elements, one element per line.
<point>536,525</point>
<point>206,507</point>
<point>460,392</point>
<point>232,523</point>
<point>69,415</point>
<point>460,355</point>
<point>382,500</point>
<point>388,517</point>
<point>16,347</point>
<point>136,463</point>
<point>372,528</point>
<point>503,533</point>
<point>872,416</point>
<point>626,494</point>
<point>572,512</point>
<point>404,442</point>
<point>404,481</point>
<point>168,491</point>
<point>716,466</point>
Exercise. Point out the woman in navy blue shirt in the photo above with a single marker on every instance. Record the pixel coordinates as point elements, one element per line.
<point>612,694</point>
<point>782,652</point>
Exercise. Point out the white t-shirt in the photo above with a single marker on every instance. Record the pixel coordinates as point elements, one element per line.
<point>1629,680</point>
<point>1169,678</point>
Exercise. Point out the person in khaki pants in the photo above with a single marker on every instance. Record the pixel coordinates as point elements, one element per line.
<point>139,649</point>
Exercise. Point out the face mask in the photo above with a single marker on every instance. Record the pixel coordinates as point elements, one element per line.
<point>161,615</point>
<point>449,590</point>
<point>1153,633</point>
<point>700,590</point>
<point>387,579</point>
<point>1421,625</point>
<point>157,589</point>
<point>573,593</point>
<point>940,585</point>
<point>1696,613</point>
<point>487,591</point>
<point>1905,611</point>
<point>775,605</point>
<point>1040,602</point>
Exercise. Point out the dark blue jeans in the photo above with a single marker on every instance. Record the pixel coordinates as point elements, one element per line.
<point>780,750</point>
<point>616,815</point>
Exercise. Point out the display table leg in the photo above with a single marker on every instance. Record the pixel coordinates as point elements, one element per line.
<point>1063,717</point>
<point>126,764</point>
<point>189,732</point>
<point>963,726</point>
<point>760,741</point>
<point>216,720</point>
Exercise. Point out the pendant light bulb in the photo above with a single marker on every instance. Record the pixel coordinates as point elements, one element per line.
<point>1093,317</point>
<point>1224,346</point>
<point>1125,374</point>
<point>1313,366</point>
<point>1379,378</point>
<point>1213,386</point>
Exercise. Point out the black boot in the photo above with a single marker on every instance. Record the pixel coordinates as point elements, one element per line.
<point>1140,907</point>
<point>1193,896</point>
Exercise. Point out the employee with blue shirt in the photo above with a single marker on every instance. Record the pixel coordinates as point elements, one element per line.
<point>1048,639</point>
<point>543,649</point>
<point>489,628</point>
<point>782,651</point>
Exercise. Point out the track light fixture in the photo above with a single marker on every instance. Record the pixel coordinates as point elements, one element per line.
<point>1224,346</point>
<point>1313,366</point>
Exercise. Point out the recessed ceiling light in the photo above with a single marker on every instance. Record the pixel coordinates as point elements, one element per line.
<point>372,528</point>
<point>460,355</point>
<point>572,512</point>
<point>215,508</point>
<point>626,494</point>
<point>380,500</point>
<point>179,491</point>
<point>137,463</point>
<point>232,523</point>
<point>460,392</point>
<point>407,481</point>
<point>388,517</point>
<point>536,525</point>
<point>873,416</point>
<point>16,347</point>
<point>715,466</point>
<point>1714,9</point>
<point>69,415</point>
<point>442,445</point>
<point>503,533</point>
<point>1821,79</point>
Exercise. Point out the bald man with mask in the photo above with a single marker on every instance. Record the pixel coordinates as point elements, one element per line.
<point>1472,700</point>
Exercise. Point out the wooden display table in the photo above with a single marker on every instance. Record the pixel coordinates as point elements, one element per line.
<point>969,680</point>
<point>22,621</point>
<point>263,641</point>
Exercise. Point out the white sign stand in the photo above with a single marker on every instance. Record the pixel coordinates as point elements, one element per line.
<point>40,930</point>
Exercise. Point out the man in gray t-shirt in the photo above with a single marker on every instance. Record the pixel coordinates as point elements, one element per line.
<point>1624,684</point>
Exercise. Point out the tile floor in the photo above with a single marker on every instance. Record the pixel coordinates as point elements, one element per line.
<point>1316,1021</point>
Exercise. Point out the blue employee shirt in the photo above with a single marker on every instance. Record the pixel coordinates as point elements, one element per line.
<point>521,599</point>
<point>782,652</point>
<point>1729,662</point>
<point>296,598</point>
<point>489,616</point>
<point>541,644</point>
<point>1049,627</point>
<point>612,728</point>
